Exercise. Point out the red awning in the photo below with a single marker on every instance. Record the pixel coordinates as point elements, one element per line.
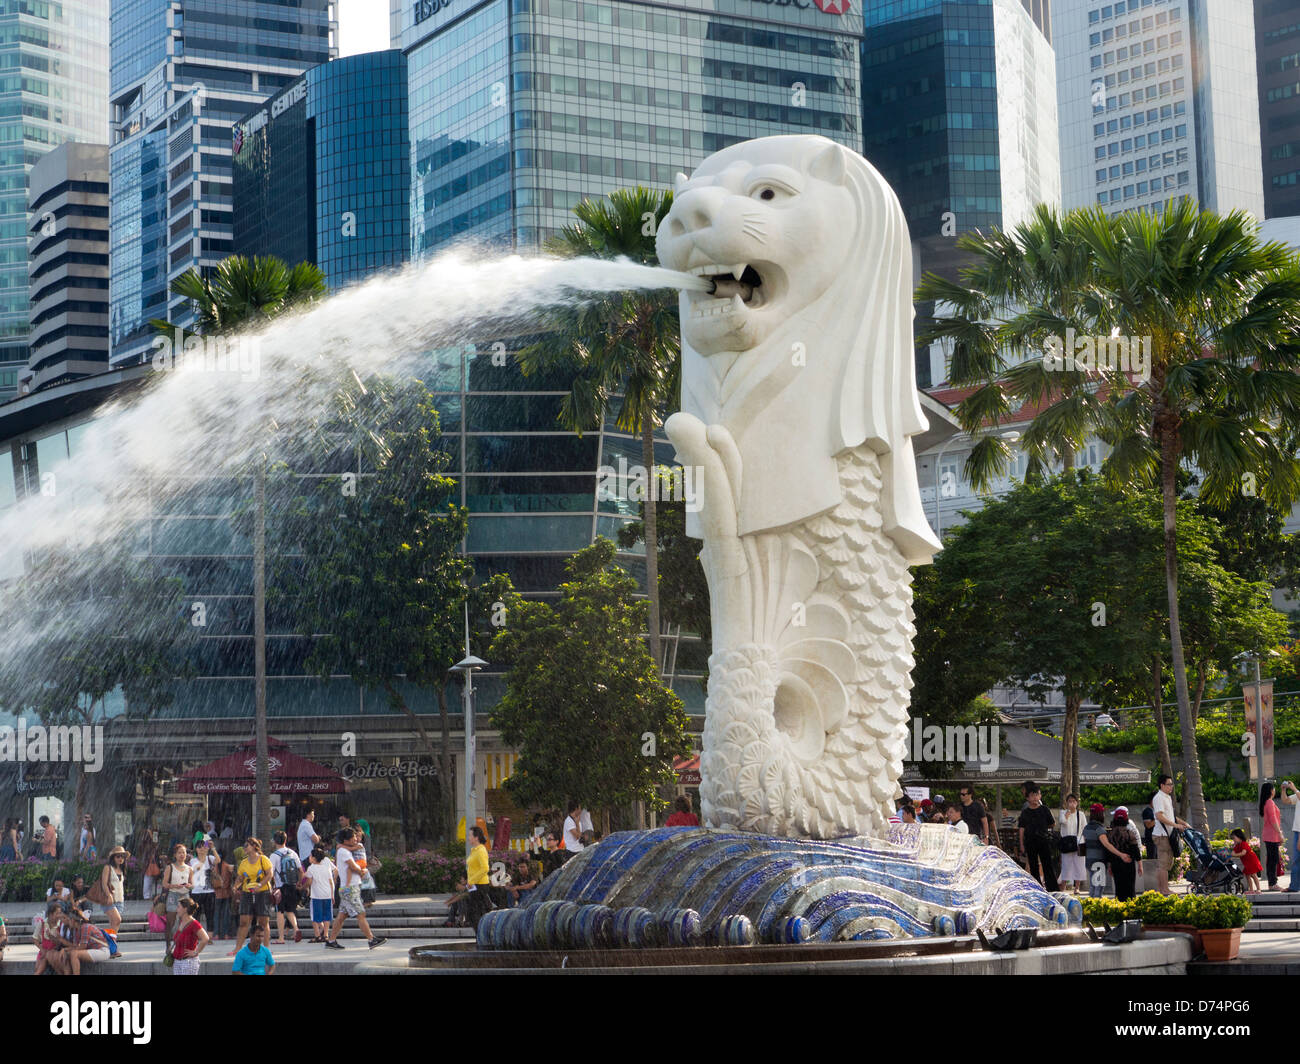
<point>688,770</point>
<point>237,774</point>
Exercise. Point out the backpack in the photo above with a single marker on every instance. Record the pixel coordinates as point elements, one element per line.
<point>290,868</point>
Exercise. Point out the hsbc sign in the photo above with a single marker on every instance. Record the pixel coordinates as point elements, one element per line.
<point>829,7</point>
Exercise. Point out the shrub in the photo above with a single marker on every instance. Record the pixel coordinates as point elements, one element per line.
<point>430,872</point>
<point>1203,911</point>
<point>29,880</point>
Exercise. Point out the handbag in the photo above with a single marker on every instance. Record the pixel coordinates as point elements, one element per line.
<point>1070,840</point>
<point>1176,842</point>
<point>156,923</point>
<point>152,870</point>
<point>169,960</point>
<point>98,894</point>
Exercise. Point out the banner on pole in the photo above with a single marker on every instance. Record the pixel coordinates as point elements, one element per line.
<point>1266,729</point>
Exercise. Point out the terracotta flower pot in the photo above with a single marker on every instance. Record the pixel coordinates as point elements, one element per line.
<point>1221,943</point>
<point>1186,929</point>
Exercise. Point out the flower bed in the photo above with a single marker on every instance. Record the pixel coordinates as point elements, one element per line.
<point>29,880</point>
<point>430,872</point>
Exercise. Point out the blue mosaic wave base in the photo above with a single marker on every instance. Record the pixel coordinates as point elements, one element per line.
<point>693,886</point>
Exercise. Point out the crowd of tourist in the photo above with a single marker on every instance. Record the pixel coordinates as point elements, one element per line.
<point>203,891</point>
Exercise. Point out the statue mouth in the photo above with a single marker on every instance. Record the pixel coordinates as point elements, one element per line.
<point>734,287</point>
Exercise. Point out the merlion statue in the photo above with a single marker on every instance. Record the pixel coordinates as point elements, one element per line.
<point>798,407</point>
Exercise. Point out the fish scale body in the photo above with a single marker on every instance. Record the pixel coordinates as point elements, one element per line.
<point>847,786</point>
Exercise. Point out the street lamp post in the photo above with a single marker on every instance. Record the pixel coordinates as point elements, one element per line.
<point>466,669</point>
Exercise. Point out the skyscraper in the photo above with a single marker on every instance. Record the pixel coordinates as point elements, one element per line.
<point>520,108</point>
<point>322,170</point>
<point>1158,100</point>
<point>183,72</point>
<point>959,114</point>
<point>53,88</point>
<point>1277,52</point>
<point>68,209</point>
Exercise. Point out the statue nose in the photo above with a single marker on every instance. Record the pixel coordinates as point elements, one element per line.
<point>696,210</point>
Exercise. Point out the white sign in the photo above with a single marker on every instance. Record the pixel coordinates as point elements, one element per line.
<point>917,794</point>
<point>1227,816</point>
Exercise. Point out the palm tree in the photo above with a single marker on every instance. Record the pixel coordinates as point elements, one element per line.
<point>1221,310</point>
<point>620,347</point>
<point>238,294</point>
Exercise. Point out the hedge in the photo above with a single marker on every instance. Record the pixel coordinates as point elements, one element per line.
<point>431,872</point>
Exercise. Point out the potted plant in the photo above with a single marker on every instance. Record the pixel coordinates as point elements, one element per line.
<point>1214,920</point>
<point>1219,918</point>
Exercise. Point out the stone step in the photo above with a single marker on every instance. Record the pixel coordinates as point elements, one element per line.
<point>1272,925</point>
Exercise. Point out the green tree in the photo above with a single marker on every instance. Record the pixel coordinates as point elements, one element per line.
<point>240,294</point>
<point>623,349</point>
<point>1219,311</point>
<point>683,589</point>
<point>584,703</point>
<point>383,575</point>
<point>1050,567</point>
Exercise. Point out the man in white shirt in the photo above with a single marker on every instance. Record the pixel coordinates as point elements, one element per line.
<point>955,822</point>
<point>351,859</point>
<point>578,821</point>
<point>1162,804</point>
<point>307,837</point>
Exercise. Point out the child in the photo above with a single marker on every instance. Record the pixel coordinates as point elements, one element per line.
<point>1249,860</point>
<point>45,930</point>
<point>320,875</point>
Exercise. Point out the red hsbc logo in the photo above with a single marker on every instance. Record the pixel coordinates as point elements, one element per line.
<point>830,7</point>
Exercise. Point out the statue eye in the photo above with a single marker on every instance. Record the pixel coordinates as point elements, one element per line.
<point>771,191</point>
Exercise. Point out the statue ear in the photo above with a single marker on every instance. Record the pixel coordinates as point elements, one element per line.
<point>680,183</point>
<point>829,165</point>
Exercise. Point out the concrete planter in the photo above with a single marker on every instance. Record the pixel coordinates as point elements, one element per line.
<point>1220,943</point>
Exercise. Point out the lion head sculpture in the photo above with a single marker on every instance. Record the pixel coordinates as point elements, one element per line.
<point>819,358</point>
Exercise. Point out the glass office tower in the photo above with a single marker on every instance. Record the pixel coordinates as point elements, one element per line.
<point>520,108</point>
<point>53,88</point>
<point>183,72</point>
<point>322,171</point>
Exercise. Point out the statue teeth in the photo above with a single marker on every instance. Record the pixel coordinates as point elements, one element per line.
<point>738,271</point>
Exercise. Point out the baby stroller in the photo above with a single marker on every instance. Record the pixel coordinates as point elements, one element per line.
<point>1215,874</point>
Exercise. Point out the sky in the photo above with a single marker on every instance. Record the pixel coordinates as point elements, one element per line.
<point>363,26</point>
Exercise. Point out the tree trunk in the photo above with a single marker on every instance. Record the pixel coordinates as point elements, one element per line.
<point>262,802</point>
<point>1201,672</point>
<point>1186,723</point>
<point>651,537</point>
<point>1070,746</point>
<point>1158,700</point>
<point>399,703</point>
<point>446,778</point>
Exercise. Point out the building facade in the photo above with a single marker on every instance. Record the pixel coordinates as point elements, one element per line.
<point>520,108</point>
<point>1277,55</point>
<point>322,170</point>
<point>182,73</point>
<point>68,266</point>
<point>53,88</point>
<point>959,115</point>
<point>1158,101</point>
